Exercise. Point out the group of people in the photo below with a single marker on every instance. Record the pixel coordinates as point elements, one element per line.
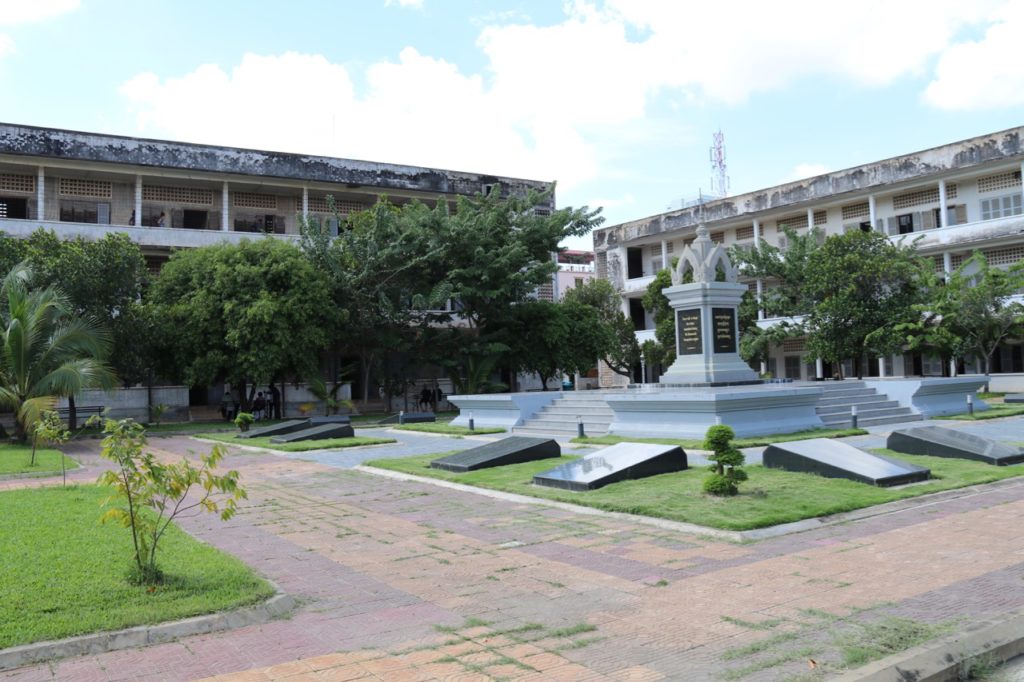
<point>264,405</point>
<point>430,397</point>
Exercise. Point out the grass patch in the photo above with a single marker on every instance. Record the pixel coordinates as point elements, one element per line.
<point>449,429</point>
<point>752,625</point>
<point>872,641</point>
<point>758,646</point>
<point>993,412</point>
<point>770,497</point>
<point>62,573</point>
<point>750,442</point>
<point>301,446</point>
<point>14,459</point>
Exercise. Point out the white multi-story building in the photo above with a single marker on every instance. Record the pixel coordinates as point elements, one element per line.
<point>951,200</point>
<point>168,195</point>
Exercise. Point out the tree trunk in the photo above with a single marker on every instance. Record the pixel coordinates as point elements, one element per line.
<point>72,414</point>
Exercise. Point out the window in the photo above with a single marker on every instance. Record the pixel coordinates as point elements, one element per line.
<point>634,263</point>
<point>905,223</point>
<point>12,207</point>
<point>792,366</point>
<point>580,281</point>
<point>97,213</point>
<point>1001,207</point>
<point>247,222</point>
<point>195,220</point>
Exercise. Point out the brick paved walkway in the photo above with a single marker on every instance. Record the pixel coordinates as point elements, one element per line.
<point>408,581</point>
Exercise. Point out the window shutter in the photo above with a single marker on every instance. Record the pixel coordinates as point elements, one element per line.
<point>879,225</point>
<point>915,221</point>
<point>783,244</point>
<point>961,213</point>
<point>928,220</point>
<point>103,213</point>
<point>890,226</point>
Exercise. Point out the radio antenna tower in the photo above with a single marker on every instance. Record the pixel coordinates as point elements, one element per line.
<point>719,180</point>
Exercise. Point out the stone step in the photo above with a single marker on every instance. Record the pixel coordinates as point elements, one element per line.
<point>871,417</point>
<point>856,394</point>
<point>542,422</point>
<point>841,385</point>
<point>845,392</point>
<point>572,411</point>
<point>878,421</point>
<point>561,434</point>
<point>877,403</point>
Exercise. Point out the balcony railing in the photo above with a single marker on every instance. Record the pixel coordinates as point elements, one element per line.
<point>170,237</point>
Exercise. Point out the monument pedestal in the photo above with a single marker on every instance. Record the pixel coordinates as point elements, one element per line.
<point>707,335</point>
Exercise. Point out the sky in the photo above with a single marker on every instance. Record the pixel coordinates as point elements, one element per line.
<point>615,100</point>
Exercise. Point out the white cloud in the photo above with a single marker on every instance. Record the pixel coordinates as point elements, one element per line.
<point>15,12</point>
<point>415,4</point>
<point>983,74</point>
<point>557,101</point>
<point>807,170</point>
<point>21,12</point>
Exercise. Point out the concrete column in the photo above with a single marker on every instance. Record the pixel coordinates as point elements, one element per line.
<point>664,255</point>
<point>810,219</point>
<point>225,211</point>
<point>819,368</point>
<point>1021,184</point>
<point>943,220</point>
<point>760,283</point>
<point>764,367</point>
<point>952,367</point>
<point>41,193</point>
<point>305,203</point>
<point>881,368</point>
<point>947,264</point>
<point>872,213</point>
<point>138,200</point>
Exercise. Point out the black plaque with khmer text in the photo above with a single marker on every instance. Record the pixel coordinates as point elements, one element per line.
<point>688,325</point>
<point>723,322</point>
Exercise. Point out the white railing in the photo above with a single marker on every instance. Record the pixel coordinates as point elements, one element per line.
<point>645,335</point>
<point>638,283</point>
<point>177,237</point>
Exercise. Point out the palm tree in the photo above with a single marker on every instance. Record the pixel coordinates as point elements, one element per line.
<point>45,352</point>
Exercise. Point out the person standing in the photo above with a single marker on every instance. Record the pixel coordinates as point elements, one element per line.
<point>275,402</point>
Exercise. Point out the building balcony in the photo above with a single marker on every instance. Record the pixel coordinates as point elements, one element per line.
<point>637,283</point>
<point>645,335</point>
<point>158,237</point>
<point>964,236</point>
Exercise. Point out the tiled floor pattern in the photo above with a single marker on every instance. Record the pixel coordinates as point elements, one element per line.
<point>408,581</point>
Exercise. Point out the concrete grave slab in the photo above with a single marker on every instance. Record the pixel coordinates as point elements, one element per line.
<point>511,450</point>
<point>834,459</point>
<point>411,418</point>
<point>619,462</point>
<point>316,433</point>
<point>938,441</point>
<point>276,429</point>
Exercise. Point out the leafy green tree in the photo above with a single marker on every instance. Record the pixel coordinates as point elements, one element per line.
<point>786,271</point>
<point>726,471</point>
<point>105,280</point>
<point>657,304</point>
<point>554,338</point>
<point>385,275</point>
<point>972,312</point>
<point>47,351</point>
<point>248,314</point>
<point>152,494</point>
<point>50,430</point>
<point>621,351</point>
<point>497,253</point>
<point>863,289</point>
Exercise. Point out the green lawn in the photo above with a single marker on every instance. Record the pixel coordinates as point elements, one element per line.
<point>301,446</point>
<point>449,429</point>
<point>770,496</point>
<point>994,412</point>
<point>751,442</point>
<point>62,573</point>
<point>14,459</point>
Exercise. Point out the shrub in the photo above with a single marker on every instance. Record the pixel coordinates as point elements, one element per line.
<point>154,494</point>
<point>50,430</point>
<point>244,420</point>
<point>726,471</point>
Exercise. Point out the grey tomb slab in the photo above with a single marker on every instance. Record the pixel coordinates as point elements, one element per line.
<point>332,419</point>
<point>1014,398</point>
<point>511,450</point>
<point>316,433</point>
<point>942,442</point>
<point>833,459</point>
<point>619,462</point>
<point>411,418</point>
<point>276,429</point>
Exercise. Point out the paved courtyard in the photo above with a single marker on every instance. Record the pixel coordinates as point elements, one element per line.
<point>409,581</point>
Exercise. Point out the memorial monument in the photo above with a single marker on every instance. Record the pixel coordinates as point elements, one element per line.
<point>707,328</point>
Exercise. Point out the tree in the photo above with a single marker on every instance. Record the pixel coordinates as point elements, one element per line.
<point>248,313</point>
<point>727,460</point>
<point>497,253</point>
<point>47,351</point>
<point>621,351</point>
<point>553,338</point>
<point>657,304</point>
<point>153,494</point>
<point>863,288</point>
<point>50,430</point>
<point>972,312</point>
<point>787,269</point>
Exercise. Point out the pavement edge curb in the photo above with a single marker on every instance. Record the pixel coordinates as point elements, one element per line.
<point>144,635</point>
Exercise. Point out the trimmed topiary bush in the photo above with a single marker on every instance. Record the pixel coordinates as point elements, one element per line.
<point>726,472</point>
